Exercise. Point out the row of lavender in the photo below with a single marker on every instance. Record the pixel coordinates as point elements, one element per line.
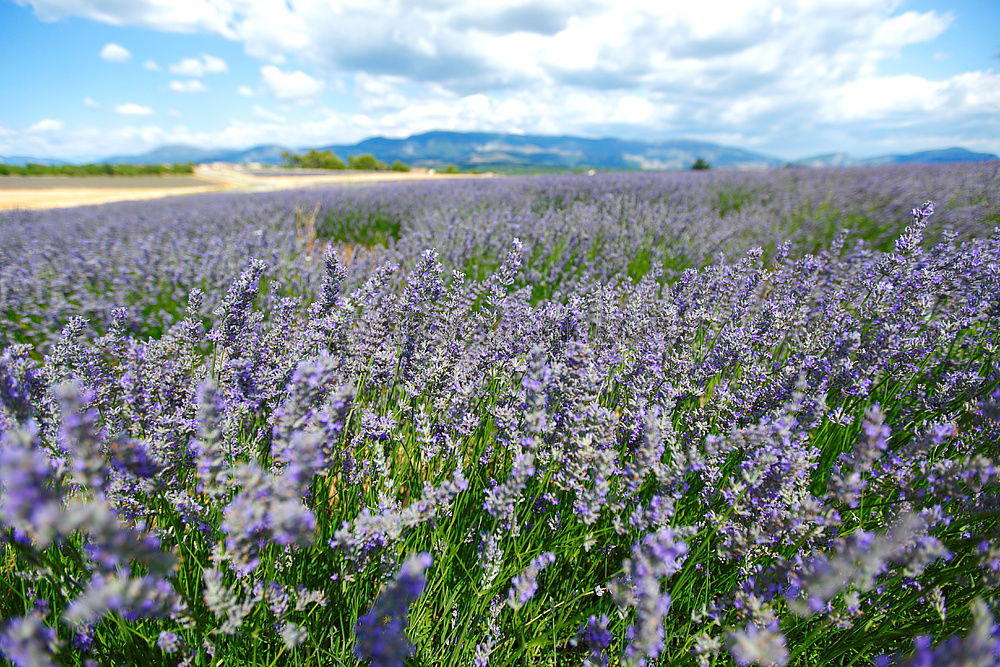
<point>602,443</point>
<point>147,256</point>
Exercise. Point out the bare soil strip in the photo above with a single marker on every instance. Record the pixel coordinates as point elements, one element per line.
<point>95,182</point>
<point>28,192</point>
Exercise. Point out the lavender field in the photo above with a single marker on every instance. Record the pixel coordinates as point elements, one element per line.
<point>689,418</point>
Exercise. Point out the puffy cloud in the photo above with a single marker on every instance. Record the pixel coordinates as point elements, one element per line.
<point>171,15</point>
<point>245,91</point>
<point>290,85</point>
<point>132,109</point>
<point>189,86</point>
<point>530,17</point>
<point>781,73</point>
<point>720,49</point>
<point>891,96</point>
<point>151,65</point>
<point>115,53</point>
<point>47,125</point>
<point>85,143</point>
<point>90,103</point>
<point>200,66</point>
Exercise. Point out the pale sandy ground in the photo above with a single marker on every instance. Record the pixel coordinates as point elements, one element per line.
<point>25,193</point>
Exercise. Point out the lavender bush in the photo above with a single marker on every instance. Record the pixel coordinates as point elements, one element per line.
<point>695,418</point>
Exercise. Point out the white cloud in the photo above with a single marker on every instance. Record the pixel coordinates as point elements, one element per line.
<point>47,125</point>
<point>200,66</point>
<point>268,115</point>
<point>85,143</point>
<point>290,85</point>
<point>90,102</point>
<point>151,65</point>
<point>380,92</point>
<point>115,53</point>
<point>782,73</point>
<point>882,96</point>
<point>189,86</point>
<point>713,51</point>
<point>132,109</point>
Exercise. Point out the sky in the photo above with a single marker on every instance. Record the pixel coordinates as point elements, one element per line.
<point>85,79</point>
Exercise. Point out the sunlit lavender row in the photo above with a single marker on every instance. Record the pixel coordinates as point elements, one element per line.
<point>627,419</point>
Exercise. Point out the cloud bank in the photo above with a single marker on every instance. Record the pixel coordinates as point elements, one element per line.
<point>766,75</point>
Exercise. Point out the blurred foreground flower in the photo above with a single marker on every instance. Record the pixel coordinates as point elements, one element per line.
<point>380,633</point>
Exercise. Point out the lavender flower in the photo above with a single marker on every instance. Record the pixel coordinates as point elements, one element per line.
<point>22,387</point>
<point>333,282</point>
<point>225,604</point>
<point>235,319</point>
<point>29,500</point>
<point>754,645</point>
<point>594,635</point>
<point>911,238</point>
<point>380,633</point>
<point>656,556</point>
<point>132,597</point>
<point>980,648</point>
<point>292,635</point>
<point>524,585</point>
<point>169,642</point>
<point>28,642</point>
<point>374,530</point>
<point>858,560</point>
<point>267,509</point>
<point>846,479</point>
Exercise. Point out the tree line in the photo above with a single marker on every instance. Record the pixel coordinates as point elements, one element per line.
<point>314,159</point>
<point>32,169</point>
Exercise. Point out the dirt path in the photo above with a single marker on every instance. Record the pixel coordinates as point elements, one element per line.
<point>19,192</point>
<point>67,197</point>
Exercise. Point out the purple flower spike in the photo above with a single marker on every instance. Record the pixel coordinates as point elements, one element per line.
<point>754,645</point>
<point>28,642</point>
<point>594,635</point>
<point>380,633</point>
<point>524,585</point>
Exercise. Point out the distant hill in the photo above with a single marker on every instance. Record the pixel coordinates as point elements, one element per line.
<point>485,150</point>
<point>21,160</point>
<point>167,155</point>
<point>828,160</point>
<point>942,155</point>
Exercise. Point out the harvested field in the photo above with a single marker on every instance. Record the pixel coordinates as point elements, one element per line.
<point>41,192</point>
<point>97,182</point>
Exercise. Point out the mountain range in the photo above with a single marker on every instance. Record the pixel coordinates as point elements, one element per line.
<point>484,150</point>
<point>21,160</point>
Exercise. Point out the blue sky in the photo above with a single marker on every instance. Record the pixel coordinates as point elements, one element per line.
<point>84,79</point>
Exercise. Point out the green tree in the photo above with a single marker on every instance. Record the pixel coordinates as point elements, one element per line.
<point>291,159</point>
<point>365,162</point>
<point>452,169</point>
<point>701,164</point>
<point>313,159</point>
<point>329,160</point>
<point>400,166</point>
